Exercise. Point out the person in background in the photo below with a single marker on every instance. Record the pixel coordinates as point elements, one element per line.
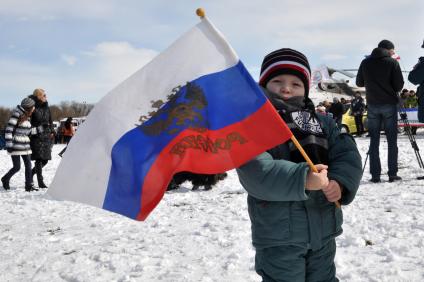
<point>411,101</point>
<point>402,98</point>
<point>327,106</point>
<point>321,109</point>
<point>42,134</point>
<point>337,110</point>
<point>18,143</point>
<point>68,131</point>
<point>293,217</point>
<point>416,77</point>
<point>357,107</point>
<point>382,77</point>
<point>345,105</point>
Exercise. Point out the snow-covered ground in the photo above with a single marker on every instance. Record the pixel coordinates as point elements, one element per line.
<point>202,235</point>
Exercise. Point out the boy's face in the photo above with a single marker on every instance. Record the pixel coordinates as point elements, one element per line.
<point>286,86</point>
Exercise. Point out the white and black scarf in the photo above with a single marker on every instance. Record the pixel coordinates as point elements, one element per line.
<point>304,125</point>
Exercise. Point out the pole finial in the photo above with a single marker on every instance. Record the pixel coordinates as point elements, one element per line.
<point>200,12</point>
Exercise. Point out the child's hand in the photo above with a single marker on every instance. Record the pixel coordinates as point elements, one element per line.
<point>317,180</point>
<point>333,191</point>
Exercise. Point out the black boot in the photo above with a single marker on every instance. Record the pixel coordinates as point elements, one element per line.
<point>195,187</point>
<point>5,183</point>
<point>30,187</point>
<point>41,184</point>
<point>40,181</point>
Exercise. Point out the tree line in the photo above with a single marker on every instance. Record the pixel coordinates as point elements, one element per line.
<point>63,110</point>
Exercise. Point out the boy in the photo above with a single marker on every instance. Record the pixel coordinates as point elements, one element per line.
<point>292,211</point>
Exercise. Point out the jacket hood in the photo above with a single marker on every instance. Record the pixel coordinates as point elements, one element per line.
<point>379,53</point>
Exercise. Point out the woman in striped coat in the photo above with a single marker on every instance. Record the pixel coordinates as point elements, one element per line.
<point>17,143</point>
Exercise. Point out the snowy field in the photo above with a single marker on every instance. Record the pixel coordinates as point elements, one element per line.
<point>202,235</point>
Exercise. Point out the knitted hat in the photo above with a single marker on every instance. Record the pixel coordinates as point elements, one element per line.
<point>27,103</point>
<point>285,61</point>
<point>386,44</point>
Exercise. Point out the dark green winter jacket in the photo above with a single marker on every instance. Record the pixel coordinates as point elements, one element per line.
<point>282,212</point>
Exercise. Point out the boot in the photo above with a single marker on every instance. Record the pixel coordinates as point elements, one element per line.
<point>41,184</point>
<point>195,187</point>
<point>394,178</point>
<point>40,181</point>
<point>5,183</point>
<point>30,187</point>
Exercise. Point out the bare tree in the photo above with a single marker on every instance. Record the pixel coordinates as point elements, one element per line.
<point>71,109</point>
<point>56,112</point>
<point>63,110</point>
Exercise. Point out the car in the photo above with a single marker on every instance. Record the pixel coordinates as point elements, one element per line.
<point>348,122</point>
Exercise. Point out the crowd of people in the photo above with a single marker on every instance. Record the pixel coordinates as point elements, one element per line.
<point>408,99</point>
<point>293,205</point>
<point>338,108</point>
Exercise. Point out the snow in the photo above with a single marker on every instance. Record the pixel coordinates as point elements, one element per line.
<point>202,235</point>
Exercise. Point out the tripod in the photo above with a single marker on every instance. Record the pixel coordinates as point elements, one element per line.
<point>408,131</point>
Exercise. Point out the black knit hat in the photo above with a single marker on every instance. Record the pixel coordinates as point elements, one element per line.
<point>386,44</point>
<point>27,103</point>
<point>285,61</point>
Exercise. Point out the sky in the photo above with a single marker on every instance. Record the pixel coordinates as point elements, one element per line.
<point>80,50</point>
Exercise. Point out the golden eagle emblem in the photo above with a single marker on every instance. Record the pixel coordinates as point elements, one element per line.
<point>181,111</point>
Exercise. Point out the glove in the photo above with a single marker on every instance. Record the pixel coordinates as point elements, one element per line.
<point>9,150</point>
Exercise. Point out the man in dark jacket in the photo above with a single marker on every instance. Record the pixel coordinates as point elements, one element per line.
<point>416,76</point>
<point>382,77</point>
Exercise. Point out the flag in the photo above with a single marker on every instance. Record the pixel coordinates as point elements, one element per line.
<point>192,108</point>
<point>321,75</point>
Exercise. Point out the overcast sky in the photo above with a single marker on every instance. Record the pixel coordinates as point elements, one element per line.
<point>80,49</point>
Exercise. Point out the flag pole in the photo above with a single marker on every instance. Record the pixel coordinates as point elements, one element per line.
<point>308,160</point>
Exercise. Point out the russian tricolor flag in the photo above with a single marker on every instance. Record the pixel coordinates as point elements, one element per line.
<point>192,108</point>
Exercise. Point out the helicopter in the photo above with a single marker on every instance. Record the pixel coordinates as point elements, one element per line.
<point>336,81</point>
<point>339,82</point>
<point>329,83</point>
